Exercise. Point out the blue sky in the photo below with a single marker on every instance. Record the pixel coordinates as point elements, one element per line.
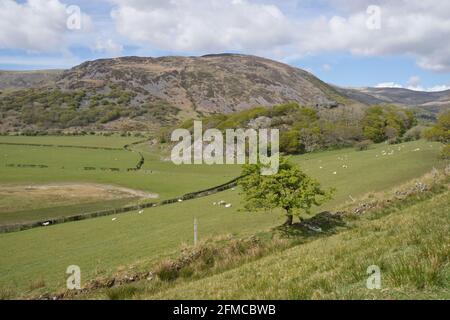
<point>402,43</point>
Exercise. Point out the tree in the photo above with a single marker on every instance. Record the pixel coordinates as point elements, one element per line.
<point>441,131</point>
<point>290,189</point>
<point>290,142</point>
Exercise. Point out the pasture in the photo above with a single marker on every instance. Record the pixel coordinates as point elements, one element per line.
<point>100,246</point>
<point>33,166</point>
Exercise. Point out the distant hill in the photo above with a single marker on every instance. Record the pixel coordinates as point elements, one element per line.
<point>26,79</point>
<point>431,102</point>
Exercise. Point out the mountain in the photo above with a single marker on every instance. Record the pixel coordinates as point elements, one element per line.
<point>133,93</point>
<point>220,83</point>
<point>13,80</point>
<point>428,102</point>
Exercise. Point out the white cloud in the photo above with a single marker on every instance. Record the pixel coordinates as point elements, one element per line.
<point>326,67</point>
<point>108,46</point>
<point>388,85</point>
<point>36,25</point>
<point>204,25</point>
<point>414,83</point>
<point>419,28</point>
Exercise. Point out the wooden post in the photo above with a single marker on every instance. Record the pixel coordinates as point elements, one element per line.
<point>195,231</point>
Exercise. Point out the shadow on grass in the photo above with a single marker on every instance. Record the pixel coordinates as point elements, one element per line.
<point>322,224</point>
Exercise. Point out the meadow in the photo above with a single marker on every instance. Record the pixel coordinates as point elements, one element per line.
<point>409,243</point>
<point>35,260</point>
<point>75,165</point>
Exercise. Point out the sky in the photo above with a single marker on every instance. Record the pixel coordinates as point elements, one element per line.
<point>359,43</point>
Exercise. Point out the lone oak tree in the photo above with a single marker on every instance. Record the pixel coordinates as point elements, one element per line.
<point>290,189</point>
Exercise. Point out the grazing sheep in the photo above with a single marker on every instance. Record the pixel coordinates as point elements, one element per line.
<point>46,223</point>
<point>180,200</point>
<point>335,172</point>
<point>114,219</point>
<point>228,205</point>
<point>141,211</point>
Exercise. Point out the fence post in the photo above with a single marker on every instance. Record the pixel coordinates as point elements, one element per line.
<point>195,231</point>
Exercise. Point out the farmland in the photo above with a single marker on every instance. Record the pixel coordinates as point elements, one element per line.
<point>101,246</point>
<point>42,161</point>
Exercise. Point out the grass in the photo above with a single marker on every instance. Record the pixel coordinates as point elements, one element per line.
<point>86,141</point>
<point>105,244</point>
<point>409,244</point>
<point>67,165</point>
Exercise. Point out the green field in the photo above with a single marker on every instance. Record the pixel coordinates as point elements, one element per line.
<point>100,246</point>
<point>409,244</point>
<point>85,141</point>
<point>67,165</point>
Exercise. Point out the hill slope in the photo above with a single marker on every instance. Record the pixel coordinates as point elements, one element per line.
<point>408,244</point>
<point>161,90</point>
<point>213,83</point>
<point>13,80</point>
<point>430,103</point>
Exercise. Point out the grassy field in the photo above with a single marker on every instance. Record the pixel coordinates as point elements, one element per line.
<point>100,246</point>
<point>409,244</point>
<point>85,141</point>
<point>67,165</point>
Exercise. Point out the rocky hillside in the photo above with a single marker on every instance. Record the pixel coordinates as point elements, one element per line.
<point>209,84</point>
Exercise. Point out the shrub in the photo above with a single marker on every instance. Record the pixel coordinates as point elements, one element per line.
<point>121,293</point>
<point>363,145</point>
<point>415,133</point>
<point>396,140</point>
<point>445,153</point>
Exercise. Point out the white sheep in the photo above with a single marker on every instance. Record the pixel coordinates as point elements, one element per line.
<point>141,211</point>
<point>114,219</point>
<point>228,205</point>
<point>46,223</point>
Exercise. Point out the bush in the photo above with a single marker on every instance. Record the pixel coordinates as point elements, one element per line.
<point>363,145</point>
<point>393,141</point>
<point>445,153</point>
<point>415,133</point>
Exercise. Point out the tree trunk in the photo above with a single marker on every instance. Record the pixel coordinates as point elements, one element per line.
<point>289,220</point>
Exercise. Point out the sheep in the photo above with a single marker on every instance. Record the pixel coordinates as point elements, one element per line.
<point>141,211</point>
<point>228,205</point>
<point>113,219</point>
<point>335,172</point>
<point>180,200</point>
<point>46,223</point>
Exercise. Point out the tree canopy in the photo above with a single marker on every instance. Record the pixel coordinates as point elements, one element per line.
<point>290,189</point>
